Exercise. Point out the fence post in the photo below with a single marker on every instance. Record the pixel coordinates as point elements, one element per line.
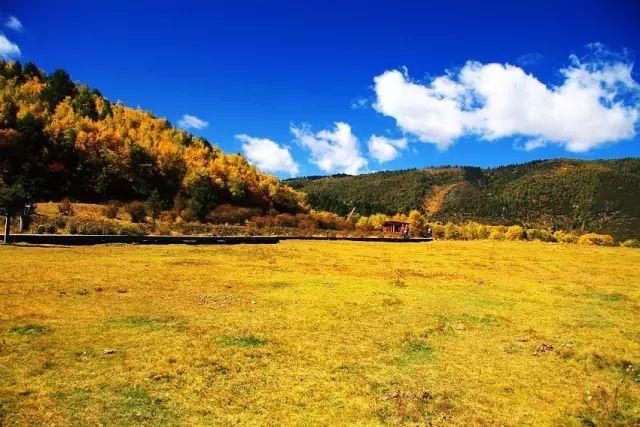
<point>7,225</point>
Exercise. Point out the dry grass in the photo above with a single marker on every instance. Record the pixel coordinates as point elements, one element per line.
<point>433,203</point>
<point>465,333</point>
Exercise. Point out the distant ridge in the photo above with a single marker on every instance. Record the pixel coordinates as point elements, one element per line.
<point>596,195</point>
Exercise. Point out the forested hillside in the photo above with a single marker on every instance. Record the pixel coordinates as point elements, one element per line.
<point>601,195</point>
<point>63,139</point>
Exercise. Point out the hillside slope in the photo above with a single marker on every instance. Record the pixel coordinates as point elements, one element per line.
<point>600,195</point>
<point>62,139</point>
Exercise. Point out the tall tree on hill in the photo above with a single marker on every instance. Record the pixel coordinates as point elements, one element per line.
<point>59,86</point>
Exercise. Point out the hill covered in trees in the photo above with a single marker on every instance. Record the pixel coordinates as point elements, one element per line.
<point>63,139</point>
<point>601,195</point>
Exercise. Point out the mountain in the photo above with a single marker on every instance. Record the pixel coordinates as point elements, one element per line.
<point>599,195</point>
<point>59,138</point>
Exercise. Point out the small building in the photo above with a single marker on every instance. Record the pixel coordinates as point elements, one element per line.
<point>393,226</point>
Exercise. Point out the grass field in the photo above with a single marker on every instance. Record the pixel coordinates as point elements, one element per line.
<point>464,333</point>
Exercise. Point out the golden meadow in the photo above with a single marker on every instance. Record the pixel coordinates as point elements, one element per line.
<point>486,332</point>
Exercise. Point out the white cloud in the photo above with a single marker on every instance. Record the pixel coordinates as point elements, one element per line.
<point>384,149</point>
<point>359,103</point>
<point>8,49</point>
<point>332,151</point>
<point>597,103</point>
<point>192,122</point>
<point>14,23</point>
<point>530,58</point>
<point>268,154</point>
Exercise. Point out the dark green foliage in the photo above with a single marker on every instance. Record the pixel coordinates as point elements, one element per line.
<point>30,71</point>
<point>12,199</point>
<point>59,86</point>
<point>136,210</point>
<point>601,196</point>
<point>382,192</point>
<point>204,195</point>
<point>156,204</point>
<point>84,104</point>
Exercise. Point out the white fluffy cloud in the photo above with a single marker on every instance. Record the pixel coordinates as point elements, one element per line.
<point>192,122</point>
<point>14,23</point>
<point>332,151</point>
<point>359,103</point>
<point>268,154</point>
<point>8,49</point>
<point>597,103</point>
<point>384,149</point>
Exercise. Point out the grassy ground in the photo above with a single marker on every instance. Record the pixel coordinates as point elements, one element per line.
<point>320,333</point>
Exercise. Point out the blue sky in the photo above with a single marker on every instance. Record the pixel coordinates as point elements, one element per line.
<point>291,84</point>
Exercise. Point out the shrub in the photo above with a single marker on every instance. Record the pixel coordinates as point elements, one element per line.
<point>169,216</point>
<point>376,220</point>
<point>473,231</point>
<point>261,221</point>
<point>65,208</point>
<point>451,232</point>
<point>497,235</point>
<point>596,239</point>
<point>539,234</point>
<point>285,220</point>
<point>84,225</point>
<point>136,210</point>
<point>416,223</point>
<point>155,204</point>
<point>515,232</point>
<point>229,214</point>
<point>364,224</point>
<point>564,237</point>
<point>48,225</point>
<point>631,243</point>
<point>328,220</point>
<point>111,210</point>
<point>437,231</point>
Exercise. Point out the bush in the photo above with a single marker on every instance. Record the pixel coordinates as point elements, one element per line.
<point>594,239</point>
<point>229,214</point>
<point>84,225</point>
<point>542,235</point>
<point>65,208</point>
<point>44,225</point>
<point>497,235</point>
<point>437,231</point>
<point>416,223</point>
<point>515,232</point>
<point>286,220</point>
<point>111,210</point>
<point>474,231</point>
<point>376,220</point>
<point>631,243</point>
<point>364,224</point>
<point>136,210</point>
<point>155,204</point>
<point>564,237</point>
<point>326,220</point>
<point>452,232</point>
